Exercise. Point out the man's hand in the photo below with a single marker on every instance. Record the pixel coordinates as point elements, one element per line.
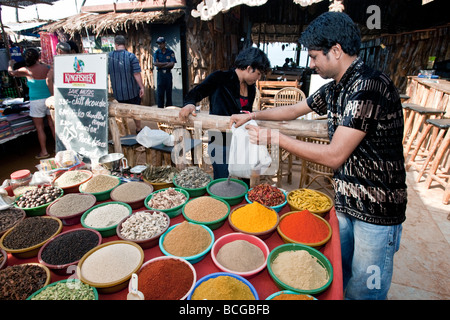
<point>239,119</point>
<point>262,136</point>
<point>184,113</point>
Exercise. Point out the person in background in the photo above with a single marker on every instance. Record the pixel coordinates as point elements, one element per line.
<point>164,60</point>
<point>36,73</point>
<point>230,92</point>
<point>365,128</point>
<point>61,48</point>
<point>125,76</point>
<point>286,63</point>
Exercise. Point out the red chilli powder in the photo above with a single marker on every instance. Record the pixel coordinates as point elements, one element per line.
<point>167,279</point>
<point>305,227</point>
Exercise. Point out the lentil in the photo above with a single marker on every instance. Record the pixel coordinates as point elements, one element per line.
<point>166,279</point>
<point>266,194</point>
<point>240,256</point>
<point>144,225</point>
<point>71,178</point>
<point>300,270</point>
<point>223,288</point>
<point>254,217</point>
<point>20,281</point>
<point>29,232</point>
<point>66,291</point>
<point>70,204</point>
<point>205,209</point>
<point>69,247</point>
<point>187,239</point>
<point>111,263</point>
<point>100,183</point>
<point>131,191</point>
<point>192,178</point>
<point>9,217</point>
<point>227,189</point>
<point>106,215</point>
<point>38,197</point>
<point>166,199</point>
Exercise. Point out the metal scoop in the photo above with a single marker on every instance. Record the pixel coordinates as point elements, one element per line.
<point>134,293</point>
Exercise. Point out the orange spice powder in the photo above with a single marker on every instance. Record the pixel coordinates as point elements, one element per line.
<point>303,226</point>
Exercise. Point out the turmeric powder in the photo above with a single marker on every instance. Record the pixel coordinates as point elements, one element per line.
<point>223,288</point>
<point>254,217</point>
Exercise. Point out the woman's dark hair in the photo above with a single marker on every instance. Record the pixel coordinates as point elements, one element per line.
<point>31,56</point>
<point>252,57</point>
<point>329,29</point>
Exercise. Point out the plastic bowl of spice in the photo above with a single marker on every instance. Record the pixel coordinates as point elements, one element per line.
<point>68,289</point>
<point>240,253</point>
<point>308,199</point>
<point>28,236</point>
<point>35,202</point>
<point>168,200</point>
<point>70,207</point>
<point>143,227</point>
<point>109,266</point>
<point>105,217</point>
<point>100,186</point>
<point>187,240</point>
<point>210,211</point>
<point>70,181</point>
<point>18,282</point>
<point>61,253</point>
<point>255,219</point>
<point>166,278</point>
<point>286,265</point>
<point>289,295</point>
<point>305,228</point>
<point>223,286</point>
<point>192,179</point>
<point>160,177</point>
<point>232,191</point>
<point>267,195</point>
<point>9,218</point>
<point>132,193</point>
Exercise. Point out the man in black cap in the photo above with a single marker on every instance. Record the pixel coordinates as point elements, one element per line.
<point>164,60</point>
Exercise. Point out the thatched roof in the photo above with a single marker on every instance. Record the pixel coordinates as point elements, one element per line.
<point>99,23</point>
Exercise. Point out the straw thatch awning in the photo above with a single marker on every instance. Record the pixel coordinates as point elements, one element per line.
<point>99,23</point>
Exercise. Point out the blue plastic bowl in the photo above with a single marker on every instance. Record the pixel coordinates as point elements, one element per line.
<point>192,259</point>
<point>217,274</point>
<point>276,208</point>
<point>273,295</point>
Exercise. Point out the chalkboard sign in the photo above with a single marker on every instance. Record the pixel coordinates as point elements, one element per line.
<point>81,104</point>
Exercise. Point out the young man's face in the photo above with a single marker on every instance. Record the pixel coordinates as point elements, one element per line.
<point>323,64</point>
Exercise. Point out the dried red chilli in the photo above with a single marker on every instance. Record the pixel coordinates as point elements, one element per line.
<point>266,194</point>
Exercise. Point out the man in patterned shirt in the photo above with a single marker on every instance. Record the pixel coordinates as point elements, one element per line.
<point>365,128</point>
<point>125,75</point>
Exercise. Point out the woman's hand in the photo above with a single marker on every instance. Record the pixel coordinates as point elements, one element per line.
<point>184,113</point>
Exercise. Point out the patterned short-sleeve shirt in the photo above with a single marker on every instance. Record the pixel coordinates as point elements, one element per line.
<point>122,65</point>
<point>370,185</point>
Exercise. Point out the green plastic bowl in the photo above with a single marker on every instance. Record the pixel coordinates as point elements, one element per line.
<point>107,231</point>
<point>103,195</point>
<point>193,192</point>
<point>72,282</point>
<point>231,200</point>
<point>39,210</point>
<point>172,212</point>
<point>213,225</point>
<point>294,246</point>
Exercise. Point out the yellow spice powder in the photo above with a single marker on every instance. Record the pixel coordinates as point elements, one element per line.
<point>223,288</point>
<point>254,217</point>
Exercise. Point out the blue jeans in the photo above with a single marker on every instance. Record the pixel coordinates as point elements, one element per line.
<point>367,257</point>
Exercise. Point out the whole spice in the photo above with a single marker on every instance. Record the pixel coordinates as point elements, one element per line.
<point>254,217</point>
<point>187,239</point>
<point>159,174</point>
<point>38,197</point>
<point>308,199</point>
<point>29,232</point>
<point>69,247</point>
<point>71,178</point>
<point>303,226</point>
<point>70,204</point>
<point>100,183</point>
<point>192,178</point>
<point>166,199</point>
<point>240,256</point>
<point>69,290</point>
<point>266,194</point>
<point>107,215</point>
<point>227,189</point>
<point>144,225</point>
<point>205,209</point>
<point>9,217</point>
<point>300,270</point>
<point>166,279</point>
<point>223,288</point>
<point>20,281</point>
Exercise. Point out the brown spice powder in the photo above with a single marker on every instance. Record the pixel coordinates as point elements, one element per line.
<point>187,239</point>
